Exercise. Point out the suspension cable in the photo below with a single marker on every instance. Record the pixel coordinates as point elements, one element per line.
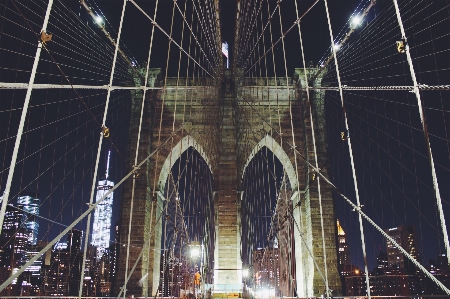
<point>103,134</point>
<point>425,132</point>
<point>42,40</point>
<point>328,291</point>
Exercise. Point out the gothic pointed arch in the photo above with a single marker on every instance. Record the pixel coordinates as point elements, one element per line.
<point>279,152</point>
<point>186,142</point>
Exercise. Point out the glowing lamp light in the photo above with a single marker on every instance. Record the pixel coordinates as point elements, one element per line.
<point>356,21</point>
<point>195,252</point>
<point>98,20</point>
<point>336,47</point>
<point>195,249</point>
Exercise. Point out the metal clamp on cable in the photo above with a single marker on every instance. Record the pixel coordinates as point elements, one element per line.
<point>46,37</point>
<point>135,172</point>
<point>357,208</point>
<point>401,44</point>
<point>105,132</point>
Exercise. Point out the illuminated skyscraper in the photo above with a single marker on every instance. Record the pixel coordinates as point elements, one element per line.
<point>405,236</point>
<point>102,216</point>
<point>345,267</point>
<point>29,203</point>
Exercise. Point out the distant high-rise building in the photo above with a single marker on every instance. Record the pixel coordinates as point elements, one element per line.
<point>14,238</point>
<point>345,267</point>
<point>29,203</point>
<point>57,275</point>
<point>115,250</point>
<point>13,218</point>
<point>74,238</point>
<point>382,263</point>
<point>64,272</point>
<point>406,238</point>
<point>101,229</point>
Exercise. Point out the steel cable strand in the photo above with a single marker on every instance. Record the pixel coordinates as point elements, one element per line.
<point>371,41</point>
<point>390,203</point>
<point>51,123</point>
<point>328,290</point>
<point>93,206</point>
<point>398,140</point>
<point>192,33</point>
<point>281,37</point>
<point>43,44</point>
<point>67,152</point>
<point>270,16</point>
<point>170,38</point>
<point>203,25</point>
<point>30,21</point>
<point>248,29</point>
<point>352,204</point>
<point>253,25</point>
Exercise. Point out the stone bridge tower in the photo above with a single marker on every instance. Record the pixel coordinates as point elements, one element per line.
<point>227,120</point>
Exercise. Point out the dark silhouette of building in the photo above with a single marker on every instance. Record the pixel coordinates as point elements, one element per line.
<point>439,268</point>
<point>405,236</point>
<point>13,244</point>
<point>64,272</point>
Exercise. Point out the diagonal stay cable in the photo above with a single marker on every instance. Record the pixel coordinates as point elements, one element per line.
<point>44,45</point>
<point>282,36</point>
<point>93,206</point>
<point>354,206</point>
<point>263,30</point>
<point>192,32</point>
<point>169,37</point>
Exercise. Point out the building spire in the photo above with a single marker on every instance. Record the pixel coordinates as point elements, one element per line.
<point>107,165</point>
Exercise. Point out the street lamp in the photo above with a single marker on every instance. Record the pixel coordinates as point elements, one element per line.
<point>196,250</point>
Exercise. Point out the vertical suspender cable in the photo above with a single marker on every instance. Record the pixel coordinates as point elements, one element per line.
<point>136,161</point>
<point>24,115</point>
<point>425,131</point>
<point>315,155</point>
<point>94,178</point>
<point>363,243</point>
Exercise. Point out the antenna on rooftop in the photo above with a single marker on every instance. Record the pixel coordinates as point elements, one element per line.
<point>107,165</point>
